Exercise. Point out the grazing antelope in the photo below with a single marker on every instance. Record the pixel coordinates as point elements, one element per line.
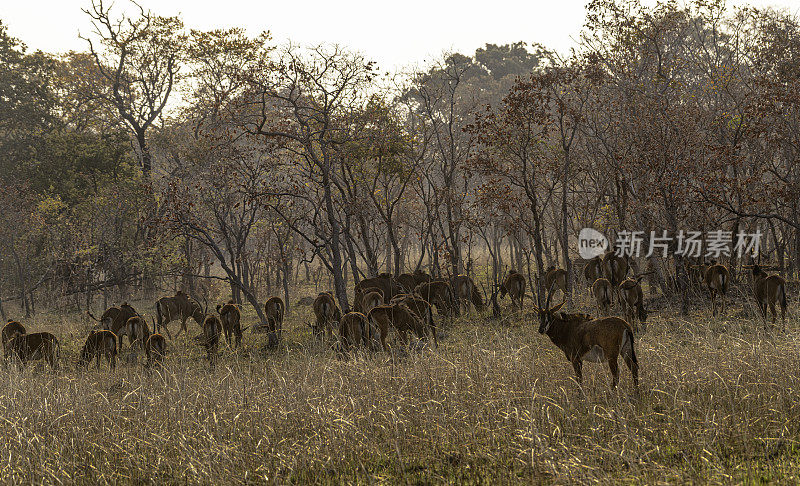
<point>467,292</point>
<point>355,331</point>
<point>768,290</point>
<point>137,330</point>
<point>422,309</point>
<point>180,306</point>
<point>156,349</point>
<point>99,343</point>
<point>716,279</point>
<point>326,312</point>
<point>439,294</point>
<point>602,291</point>
<point>38,345</point>
<point>389,286</point>
<point>372,299</point>
<point>514,286</point>
<point>593,270</point>
<point>11,329</point>
<point>360,293</point>
<point>212,329</point>
<point>582,338</point>
<point>555,278</point>
<point>115,318</point>
<point>630,295</point>
<point>402,319</point>
<point>408,281</point>
<point>230,317</point>
<point>275,311</point>
<point>615,268</point>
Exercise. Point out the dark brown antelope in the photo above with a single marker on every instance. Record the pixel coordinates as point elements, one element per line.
<point>602,292</point>
<point>716,279</point>
<point>389,286</point>
<point>180,306</point>
<point>99,343</point>
<point>467,292</point>
<point>355,331</point>
<point>230,317</point>
<point>156,349</point>
<point>372,299</point>
<point>275,311</point>
<point>403,320</point>
<point>137,330</point>
<point>212,329</point>
<point>768,290</point>
<point>115,318</point>
<point>615,268</point>
<point>631,298</point>
<point>582,338</point>
<point>438,293</point>
<point>514,286</point>
<point>11,329</point>
<point>327,313</point>
<point>593,270</point>
<point>38,345</point>
<point>555,279</point>
<point>422,309</point>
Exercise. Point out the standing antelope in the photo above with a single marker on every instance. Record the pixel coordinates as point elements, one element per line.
<point>326,312</point>
<point>372,299</point>
<point>439,294</point>
<point>10,330</point>
<point>769,289</point>
<point>716,279</point>
<point>275,310</point>
<point>403,320</point>
<point>555,278</point>
<point>355,331</point>
<point>230,317</point>
<point>182,307</point>
<point>583,339</point>
<point>593,270</point>
<point>615,268</point>
<point>156,349</point>
<point>212,329</point>
<point>39,345</point>
<point>631,297</point>
<point>99,343</point>
<point>602,291</point>
<point>467,292</point>
<point>514,286</point>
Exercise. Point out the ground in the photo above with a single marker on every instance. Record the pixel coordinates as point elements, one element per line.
<point>495,403</point>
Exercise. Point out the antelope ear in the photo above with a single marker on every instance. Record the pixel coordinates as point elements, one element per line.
<point>559,306</point>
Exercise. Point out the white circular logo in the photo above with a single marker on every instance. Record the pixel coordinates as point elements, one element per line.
<point>591,243</point>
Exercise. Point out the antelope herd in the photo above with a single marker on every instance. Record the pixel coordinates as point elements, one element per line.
<point>404,304</point>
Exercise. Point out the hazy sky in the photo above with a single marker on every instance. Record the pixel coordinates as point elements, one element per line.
<point>394,34</point>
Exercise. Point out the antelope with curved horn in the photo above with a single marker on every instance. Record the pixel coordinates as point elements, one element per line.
<point>582,338</point>
<point>768,290</point>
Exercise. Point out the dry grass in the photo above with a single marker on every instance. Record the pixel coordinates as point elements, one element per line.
<point>495,403</point>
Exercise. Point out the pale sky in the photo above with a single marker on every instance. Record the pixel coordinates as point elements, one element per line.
<point>395,34</point>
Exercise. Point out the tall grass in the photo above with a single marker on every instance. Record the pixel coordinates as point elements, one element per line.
<point>495,403</point>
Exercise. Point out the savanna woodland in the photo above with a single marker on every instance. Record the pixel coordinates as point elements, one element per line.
<point>293,267</point>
